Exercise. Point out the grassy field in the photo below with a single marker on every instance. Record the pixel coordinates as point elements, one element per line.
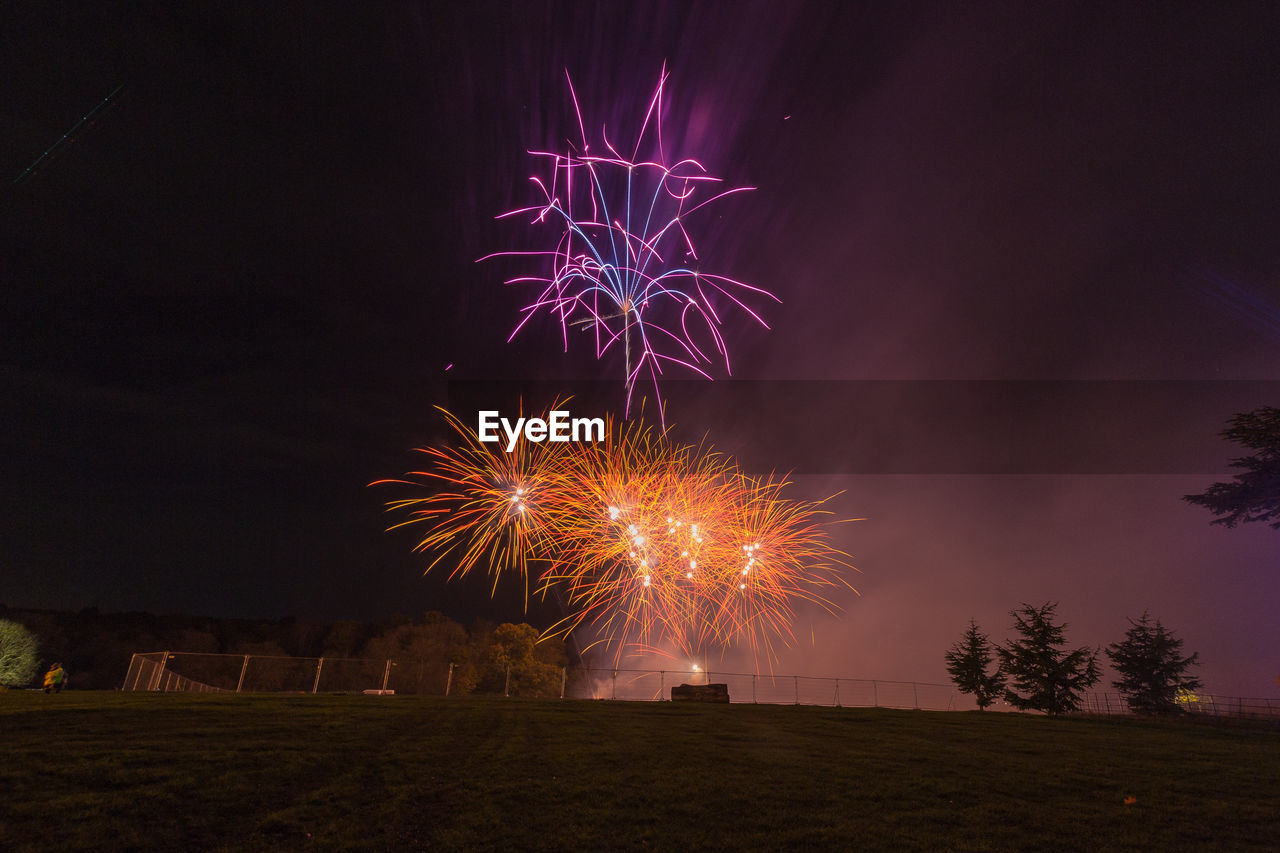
<point>200,772</point>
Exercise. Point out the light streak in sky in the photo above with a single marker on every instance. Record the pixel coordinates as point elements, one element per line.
<point>70,136</point>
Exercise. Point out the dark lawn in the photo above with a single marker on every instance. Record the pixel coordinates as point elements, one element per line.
<point>197,772</point>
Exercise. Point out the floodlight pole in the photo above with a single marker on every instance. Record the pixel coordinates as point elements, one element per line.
<point>316,684</point>
<point>564,678</point>
<point>448,682</point>
<point>386,673</point>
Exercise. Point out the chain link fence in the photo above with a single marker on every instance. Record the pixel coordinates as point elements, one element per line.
<point>1199,704</point>
<point>651,685</point>
<point>213,673</point>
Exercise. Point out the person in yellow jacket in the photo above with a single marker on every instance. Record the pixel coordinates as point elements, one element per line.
<point>55,678</point>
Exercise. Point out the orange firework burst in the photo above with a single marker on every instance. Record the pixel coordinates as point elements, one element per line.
<point>651,545</point>
<point>483,505</point>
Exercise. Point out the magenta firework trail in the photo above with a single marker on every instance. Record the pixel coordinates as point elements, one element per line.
<point>623,267</point>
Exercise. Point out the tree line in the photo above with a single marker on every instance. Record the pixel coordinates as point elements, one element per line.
<point>96,647</point>
<point>1036,672</point>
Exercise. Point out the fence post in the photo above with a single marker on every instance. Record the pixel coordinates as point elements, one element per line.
<point>137,675</point>
<point>564,678</point>
<point>915,697</point>
<point>155,679</point>
<point>386,674</point>
<point>448,682</point>
<point>796,678</point>
<point>243,668</point>
<point>316,684</point>
<point>506,687</point>
<point>129,672</point>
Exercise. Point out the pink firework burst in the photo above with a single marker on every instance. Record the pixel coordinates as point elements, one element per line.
<point>623,267</point>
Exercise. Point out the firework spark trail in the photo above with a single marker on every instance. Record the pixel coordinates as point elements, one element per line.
<point>623,265</point>
<point>648,544</point>
<point>70,136</point>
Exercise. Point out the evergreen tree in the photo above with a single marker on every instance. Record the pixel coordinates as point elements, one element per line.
<point>1044,676</point>
<point>967,663</point>
<point>1254,494</point>
<point>1152,669</point>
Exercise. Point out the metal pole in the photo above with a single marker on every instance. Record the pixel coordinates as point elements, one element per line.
<point>155,679</point>
<point>614,693</point>
<point>875,694</point>
<point>448,682</point>
<point>386,673</point>
<point>753,688</point>
<point>243,669</point>
<point>837,693</point>
<point>564,678</point>
<point>797,681</point>
<point>662,683</point>
<point>915,697</point>
<point>506,688</point>
<point>316,684</point>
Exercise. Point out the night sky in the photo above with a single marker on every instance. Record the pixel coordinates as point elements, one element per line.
<point>1027,256</point>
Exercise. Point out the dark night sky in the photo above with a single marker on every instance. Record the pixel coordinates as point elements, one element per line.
<point>1027,255</point>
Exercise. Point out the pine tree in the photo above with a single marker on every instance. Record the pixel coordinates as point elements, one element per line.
<point>1152,669</point>
<point>1254,494</point>
<point>1044,676</point>
<point>967,663</point>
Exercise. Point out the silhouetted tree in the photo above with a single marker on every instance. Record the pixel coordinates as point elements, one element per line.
<point>515,646</point>
<point>1046,677</point>
<point>344,639</point>
<point>17,654</point>
<point>1254,494</point>
<point>968,662</point>
<point>1152,668</point>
